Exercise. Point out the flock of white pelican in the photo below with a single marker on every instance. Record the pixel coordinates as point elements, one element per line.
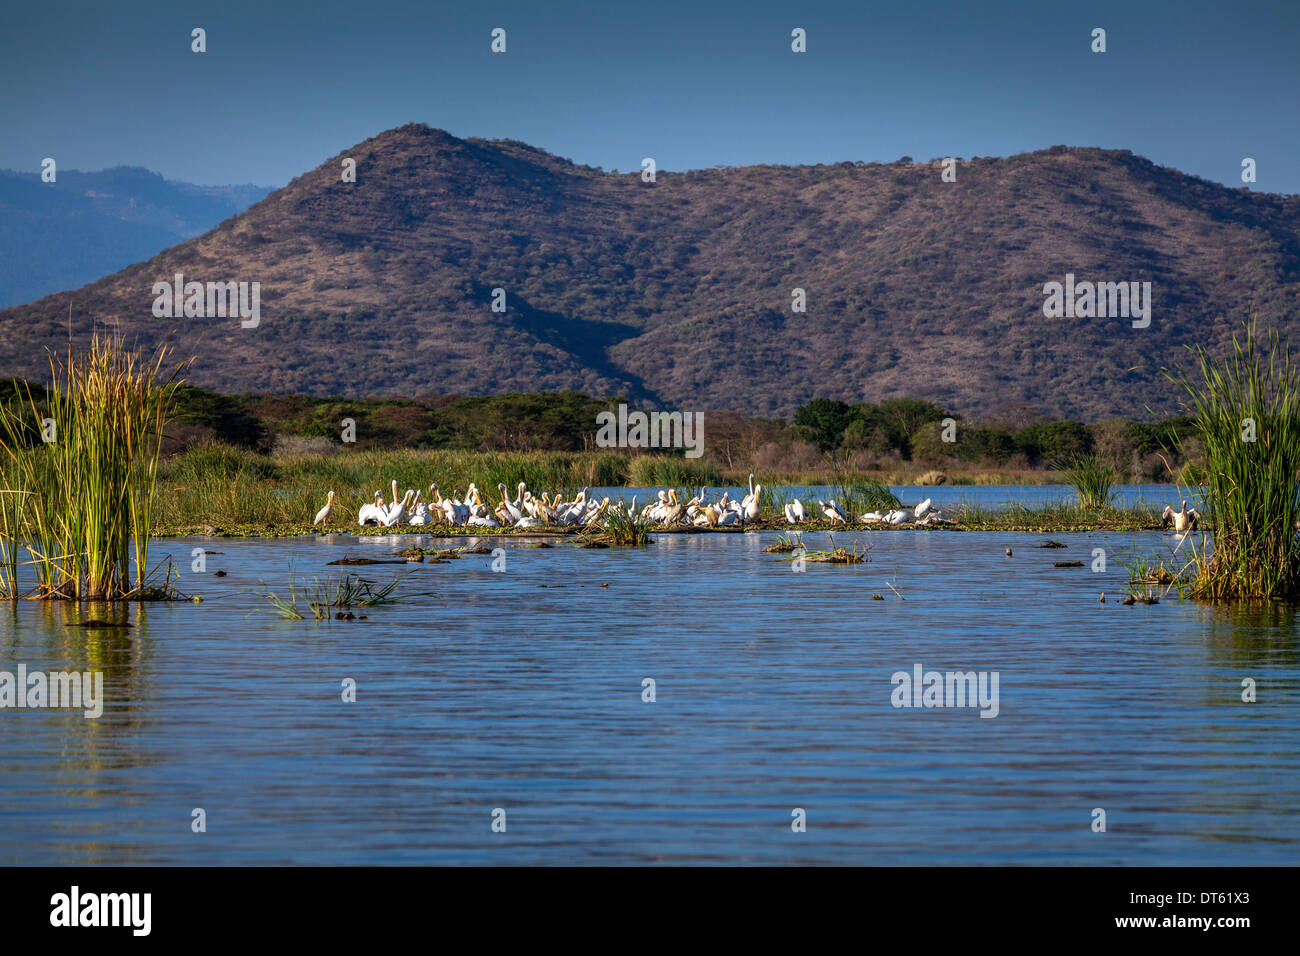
<point>922,515</point>
<point>527,510</point>
<point>524,511</point>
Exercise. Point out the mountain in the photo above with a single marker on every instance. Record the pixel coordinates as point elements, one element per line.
<point>86,225</point>
<point>678,293</point>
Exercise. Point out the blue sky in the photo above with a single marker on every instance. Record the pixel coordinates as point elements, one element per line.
<point>284,85</point>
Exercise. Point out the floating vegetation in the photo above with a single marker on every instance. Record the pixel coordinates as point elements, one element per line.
<point>1146,572</point>
<point>79,475</point>
<point>1144,598</point>
<point>316,598</point>
<point>354,562</point>
<point>1050,544</point>
<point>439,555</point>
<point>1155,576</point>
<point>1246,411</point>
<point>785,544</point>
<point>1067,564</point>
<point>837,555</point>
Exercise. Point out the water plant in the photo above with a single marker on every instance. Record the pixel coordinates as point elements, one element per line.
<point>619,528</point>
<point>1093,480</point>
<point>81,470</point>
<point>1246,410</point>
<point>785,544</point>
<point>865,494</point>
<point>835,555</point>
<point>319,595</point>
<point>1151,576</point>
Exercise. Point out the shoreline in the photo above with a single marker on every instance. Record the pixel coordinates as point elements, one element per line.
<point>1138,521</point>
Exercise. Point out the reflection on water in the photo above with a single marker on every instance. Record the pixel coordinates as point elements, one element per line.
<point>523,690</point>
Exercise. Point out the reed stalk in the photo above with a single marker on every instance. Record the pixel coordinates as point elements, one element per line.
<point>1247,414</point>
<point>85,459</point>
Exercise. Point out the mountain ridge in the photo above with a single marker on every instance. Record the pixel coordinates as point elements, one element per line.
<point>677,293</point>
<point>86,225</point>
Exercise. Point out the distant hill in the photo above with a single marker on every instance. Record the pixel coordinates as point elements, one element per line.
<point>84,226</point>
<point>677,293</point>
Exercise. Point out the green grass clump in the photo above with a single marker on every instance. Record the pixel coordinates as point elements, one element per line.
<point>80,475</point>
<point>320,595</point>
<point>1247,415</point>
<point>617,527</point>
<point>1093,480</point>
<point>866,495</point>
<point>667,471</point>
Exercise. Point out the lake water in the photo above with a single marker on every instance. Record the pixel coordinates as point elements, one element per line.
<point>522,690</point>
<point>946,496</point>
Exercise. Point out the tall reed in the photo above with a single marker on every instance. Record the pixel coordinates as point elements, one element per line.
<point>86,461</point>
<point>1247,414</point>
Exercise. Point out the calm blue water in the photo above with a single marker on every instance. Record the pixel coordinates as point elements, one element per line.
<point>948,496</point>
<point>773,692</point>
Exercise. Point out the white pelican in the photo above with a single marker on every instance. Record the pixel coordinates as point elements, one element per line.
<point>872,517</point>
<point>794,512</point>
<point>898,516</point>
<point>323,515</point>
<point>1183,521</point>
<point>397,513</point>
<point>455,512</point>
<point>832,511</point>
<point>753,506</point>
<point>594,514</point>
<point>372,513</point>
<point>511,508</point>
<point>744,502</point>
<point>657,510</point>
<point>921,510</point>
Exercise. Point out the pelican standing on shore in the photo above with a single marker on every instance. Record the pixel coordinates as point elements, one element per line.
<point>372,513</point>
<point>832,511</point>
<point>323,515</point>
